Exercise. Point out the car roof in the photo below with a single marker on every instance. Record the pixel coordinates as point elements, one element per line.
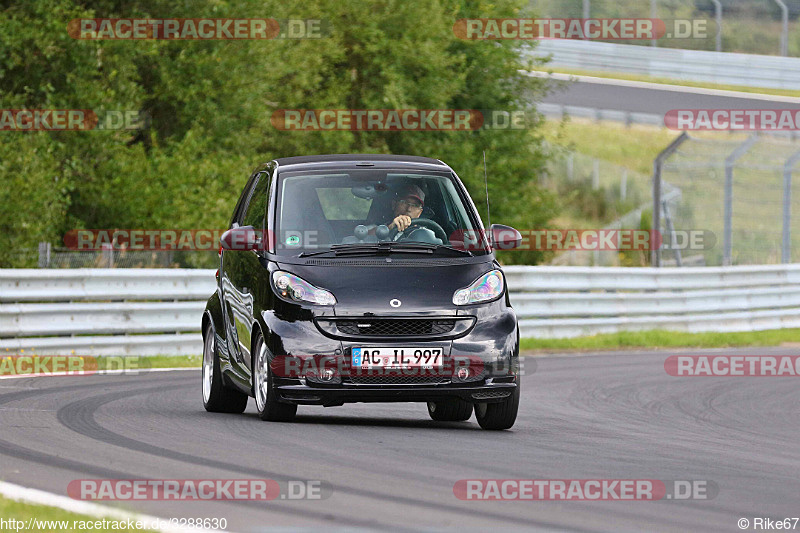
<point>360,160</point>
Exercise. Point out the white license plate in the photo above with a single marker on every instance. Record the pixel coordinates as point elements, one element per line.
<point>397,358</point>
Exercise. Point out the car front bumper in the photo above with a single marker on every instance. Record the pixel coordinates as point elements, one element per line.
<point>490,347</point>
<point>485,391</point>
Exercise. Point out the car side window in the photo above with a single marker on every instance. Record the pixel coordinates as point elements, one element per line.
<point>238,211</point>
<point>256,208</point>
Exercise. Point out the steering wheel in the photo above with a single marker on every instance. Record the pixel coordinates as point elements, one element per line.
<point>431,225</point>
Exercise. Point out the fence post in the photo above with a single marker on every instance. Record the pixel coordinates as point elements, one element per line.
<point>671,231</point>
<point>587,7</point>
<point>653,41</point>
<point>44,254</point>
<point>658,163</point>
<point>108,254</point>
<point>728,214</point>
<point>785,28</point>
<point>570,166</point>
<point>786,248</point>
<point>623,185</point>
<point>718,17</point>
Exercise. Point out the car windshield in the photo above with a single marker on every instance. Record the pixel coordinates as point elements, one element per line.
<point>343,210</point>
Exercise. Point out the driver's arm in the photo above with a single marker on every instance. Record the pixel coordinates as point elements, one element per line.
<point>401,222</point>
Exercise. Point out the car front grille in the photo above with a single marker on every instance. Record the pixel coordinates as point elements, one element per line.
<point>397,380</point>
<point>396,327</point>
<point>487,395</point>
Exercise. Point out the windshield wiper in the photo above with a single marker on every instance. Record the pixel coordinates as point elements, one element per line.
<point>395,246</point>
<point>384,247</point>
<point>369,248</point>
<point>309,254</point>
<point>424,245</point>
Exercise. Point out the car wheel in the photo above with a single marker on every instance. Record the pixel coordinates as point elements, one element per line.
<point>216,397</point>
<point>500,415</point>
<point>267,404</point>
<point>455,410</point>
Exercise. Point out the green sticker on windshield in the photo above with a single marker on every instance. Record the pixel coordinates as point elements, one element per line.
<point>292,240</point>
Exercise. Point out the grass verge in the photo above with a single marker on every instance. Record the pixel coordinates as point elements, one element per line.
<point>673,81</point>
<point>666,339</point>
<point>633,147</point>
<point>169,361</point>
<point>11,509</point>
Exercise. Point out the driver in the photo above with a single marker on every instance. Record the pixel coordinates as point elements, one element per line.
<point>408,204</point>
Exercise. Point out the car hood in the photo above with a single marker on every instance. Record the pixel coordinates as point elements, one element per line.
<point>372,289</point>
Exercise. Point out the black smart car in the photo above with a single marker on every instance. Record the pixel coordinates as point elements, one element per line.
<point>361,278</point>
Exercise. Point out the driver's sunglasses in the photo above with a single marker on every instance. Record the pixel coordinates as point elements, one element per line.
<point>411,203</point>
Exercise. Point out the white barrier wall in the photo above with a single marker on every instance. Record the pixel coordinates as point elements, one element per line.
<point>158,311</point>
<point>554,302</point>
<point>718,67</point>
<point>103,311</point>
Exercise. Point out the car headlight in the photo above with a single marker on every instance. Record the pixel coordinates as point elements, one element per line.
<point>485,288</point>
<point>296,289</point>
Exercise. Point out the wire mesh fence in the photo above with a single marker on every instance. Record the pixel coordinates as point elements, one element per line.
<point>620,183</point>
<point>600,191</point>
<point>736,189</point>
<point>740,189</point>
<point>49,257</point>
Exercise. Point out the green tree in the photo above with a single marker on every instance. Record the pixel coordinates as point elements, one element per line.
<point>210,104</point>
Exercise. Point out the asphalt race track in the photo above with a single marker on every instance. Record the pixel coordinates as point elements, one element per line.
<point>649,98</point>
<point>607,416</point>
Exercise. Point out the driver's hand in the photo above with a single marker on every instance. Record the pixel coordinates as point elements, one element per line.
<point>401,222</point>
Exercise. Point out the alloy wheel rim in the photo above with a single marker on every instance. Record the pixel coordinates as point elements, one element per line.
<point>208,365</point>
<point>261,377</point>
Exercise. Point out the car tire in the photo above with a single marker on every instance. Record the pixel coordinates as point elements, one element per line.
<point>500,415</point>
<point>455,410</point>
<point>217,398</point>
<point>267,404</point>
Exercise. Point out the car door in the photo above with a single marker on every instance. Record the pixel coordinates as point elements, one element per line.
<point>243,270</point>
<point>228,272</point>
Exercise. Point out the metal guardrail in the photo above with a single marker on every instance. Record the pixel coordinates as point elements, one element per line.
<point>629,117</point>
<point>103,311</point>
<point>556,302</point>
<point>696,65</point>
<point>612,115</point>
<point>126,312</point>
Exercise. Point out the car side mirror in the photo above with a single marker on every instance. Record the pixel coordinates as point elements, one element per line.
<point>241,238</point>
<point>504,237</point>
